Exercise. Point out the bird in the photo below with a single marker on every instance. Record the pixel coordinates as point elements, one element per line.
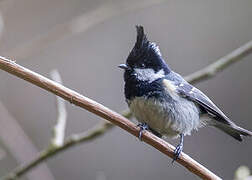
<point>163,102</point>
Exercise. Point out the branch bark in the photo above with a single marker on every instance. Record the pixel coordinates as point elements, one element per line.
<point>206,73</point>
<point>60,126</point>
<point>220,64</point>
<point>104,112</point>
<point>73,140</point>
<point>20,146</point>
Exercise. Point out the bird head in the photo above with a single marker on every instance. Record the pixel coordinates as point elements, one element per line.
<point>145,62</point>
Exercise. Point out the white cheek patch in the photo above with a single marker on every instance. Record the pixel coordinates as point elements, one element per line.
<point>149,74</point>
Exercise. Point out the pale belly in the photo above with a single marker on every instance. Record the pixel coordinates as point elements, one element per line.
<point>166,119</point>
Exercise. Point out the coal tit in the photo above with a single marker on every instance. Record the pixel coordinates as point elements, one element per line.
<point>163,102</point>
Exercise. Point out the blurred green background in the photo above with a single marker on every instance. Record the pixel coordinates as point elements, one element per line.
<point>86,40</point>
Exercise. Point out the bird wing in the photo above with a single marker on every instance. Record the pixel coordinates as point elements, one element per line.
<point>188,91</point>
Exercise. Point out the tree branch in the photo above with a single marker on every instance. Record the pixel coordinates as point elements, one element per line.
<point>220,64</point>
<point>60,126</point>
<point>20,146</point>
<point>102,111</point>
<point>73,140</point>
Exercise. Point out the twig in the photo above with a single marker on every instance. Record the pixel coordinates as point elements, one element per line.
<point>2,25</point>
<point>20,146</point>
<point>73,140</point>
<point>59,129</point>
<point>220,64</point>
<point>102,111</point>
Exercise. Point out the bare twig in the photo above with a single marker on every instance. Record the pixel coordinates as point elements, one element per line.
<point>19,145</point>
<point>102,111</point>
<point>59,129</point>
<point>70,142</point>
<point>73,140</point>
<point>220,64</point>
<point>2,26</point>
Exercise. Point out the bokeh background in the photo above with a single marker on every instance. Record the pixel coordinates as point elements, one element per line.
<point>86,40</point>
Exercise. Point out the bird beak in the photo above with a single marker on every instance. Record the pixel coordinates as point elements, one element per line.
<point>123,66</point>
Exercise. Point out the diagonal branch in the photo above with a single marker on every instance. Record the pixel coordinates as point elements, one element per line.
<point>73,140</point>
<point>104,112</point>
<point>220,64</point>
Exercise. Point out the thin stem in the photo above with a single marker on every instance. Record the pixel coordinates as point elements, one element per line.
<point>73,140</point>
<point>60,126</point>
<point>220,64</point>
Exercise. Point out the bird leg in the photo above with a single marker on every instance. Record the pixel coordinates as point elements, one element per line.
<point>179,148</point>
<point>145,126</point>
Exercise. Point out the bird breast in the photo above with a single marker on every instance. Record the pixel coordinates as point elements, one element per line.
<point>167,118</point>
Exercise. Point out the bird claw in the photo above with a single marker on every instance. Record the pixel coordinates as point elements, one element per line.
<point>143,127</point>
<point>177,152</point>
<point>179,148</point>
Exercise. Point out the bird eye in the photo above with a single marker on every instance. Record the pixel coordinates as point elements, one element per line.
<point>142,65</point>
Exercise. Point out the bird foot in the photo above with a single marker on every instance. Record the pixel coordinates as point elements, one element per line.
<point>179,148</point>
<point>177,152</point>
<point>143,127</point>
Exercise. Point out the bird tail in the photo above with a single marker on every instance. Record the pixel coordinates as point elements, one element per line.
<point>233,130</point>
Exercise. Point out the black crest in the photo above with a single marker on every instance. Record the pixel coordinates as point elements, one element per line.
<point>146,54</point>
<point>142,42</point>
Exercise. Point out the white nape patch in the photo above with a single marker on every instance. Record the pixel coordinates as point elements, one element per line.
<point>156,48</point>
<point>149,74</point>
<point>171,88</point>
